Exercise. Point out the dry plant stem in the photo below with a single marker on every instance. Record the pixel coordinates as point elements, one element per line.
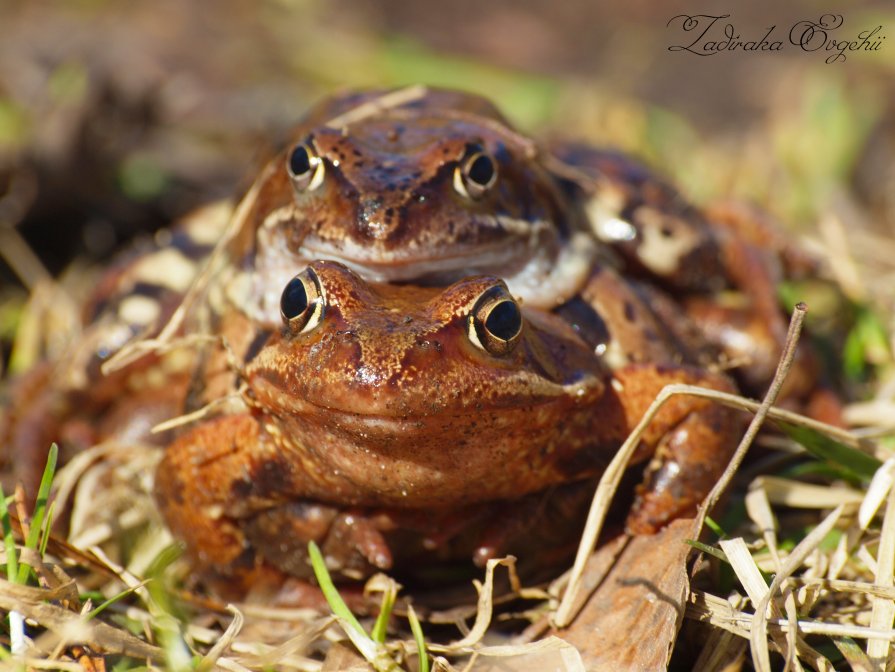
<point>44,664</point>
<point>484,611</point>
<point>789,351</point>
<point>884,609</point>
<point>95,634</point>
<point>613,474</point>
<point>200,413</point>
<point>716,611</point>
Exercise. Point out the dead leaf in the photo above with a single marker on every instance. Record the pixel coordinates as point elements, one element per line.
<point>632,620</point>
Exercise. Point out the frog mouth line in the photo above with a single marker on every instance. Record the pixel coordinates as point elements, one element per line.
<point>482,260</point>
<point>301,407</point>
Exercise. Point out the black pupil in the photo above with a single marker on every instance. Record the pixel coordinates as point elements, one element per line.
<point>504,320</point>
<point>294,300</point>
<point>300,161</point>
<point>481,170</point>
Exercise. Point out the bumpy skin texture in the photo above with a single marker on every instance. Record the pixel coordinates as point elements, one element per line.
<point>385,422</point>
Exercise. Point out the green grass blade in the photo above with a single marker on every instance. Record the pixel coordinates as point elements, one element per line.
<point>112,600</point>
<point>853,462</point>
<point>708,550</point>
<point>40,507</point>
<point>714,527</point>
<point>417,631</point>
<point>48,524</point>
<point>335,601</point>
<point>380,628</point>
<point>12,562</point>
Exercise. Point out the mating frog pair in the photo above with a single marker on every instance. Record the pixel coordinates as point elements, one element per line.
<point>438,325</point>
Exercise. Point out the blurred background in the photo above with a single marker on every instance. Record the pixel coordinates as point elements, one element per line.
<point>116,117</point>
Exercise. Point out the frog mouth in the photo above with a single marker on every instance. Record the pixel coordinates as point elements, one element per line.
<point>357,416</point>
<point>394,266</point>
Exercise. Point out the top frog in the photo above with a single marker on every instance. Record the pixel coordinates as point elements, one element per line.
<point>413,185</point>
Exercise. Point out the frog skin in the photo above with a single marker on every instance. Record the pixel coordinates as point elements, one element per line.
<point>722,264</point>
<point>391,421</point>
<point>68,399</point>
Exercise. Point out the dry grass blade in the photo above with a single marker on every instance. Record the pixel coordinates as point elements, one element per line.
<point>64,592</point>
<point>884,609</point>
<point>798,495</point>
<point>200,413</point>
<point>758,635</point>
<point>71,627</point>
<point>273,656</point>
<point>759,509</point>
<point>762,412</point>
<point>377,105</point>
<point>879,488</point>
<point>483,613</point>
<point>551,653</point>
<point>47,664</point>
<point>210,659</point>
<point>723,650</point>
<point>717,611</point>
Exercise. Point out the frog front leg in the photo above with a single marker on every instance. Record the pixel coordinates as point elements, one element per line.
<point>647,346</point>
<point>691,440</point>
<point>226,489</point>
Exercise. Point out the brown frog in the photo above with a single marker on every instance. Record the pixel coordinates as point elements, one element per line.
<point>421,185</point>
<point>392,422</point>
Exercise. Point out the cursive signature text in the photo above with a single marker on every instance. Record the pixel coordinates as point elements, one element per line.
<point>707,35</point>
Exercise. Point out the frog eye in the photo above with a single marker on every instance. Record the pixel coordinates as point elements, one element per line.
<point>495,323</point>
<point>476,173</point>
<point>301,305</point>
<point>305,168</point>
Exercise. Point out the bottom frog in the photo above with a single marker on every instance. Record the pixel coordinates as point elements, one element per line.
<point>396,425</point>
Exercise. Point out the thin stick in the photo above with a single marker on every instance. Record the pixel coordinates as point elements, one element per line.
<point>789,351</point>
